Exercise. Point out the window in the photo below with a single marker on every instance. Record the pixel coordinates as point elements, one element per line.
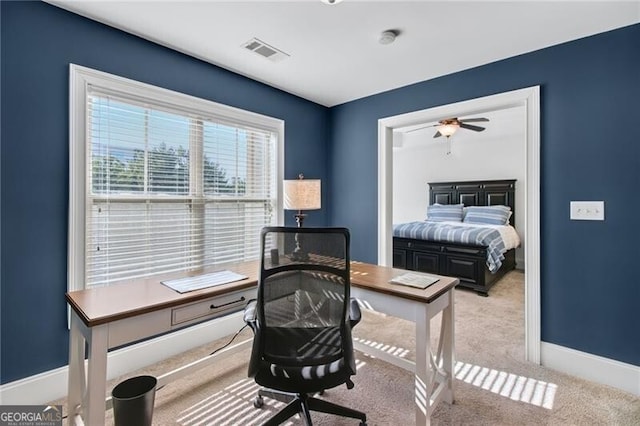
<point>163,182</point>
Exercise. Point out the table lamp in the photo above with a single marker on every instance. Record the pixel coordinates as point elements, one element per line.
<point>301,194</point>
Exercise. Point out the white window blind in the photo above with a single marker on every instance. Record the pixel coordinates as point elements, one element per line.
<point>171,187</point>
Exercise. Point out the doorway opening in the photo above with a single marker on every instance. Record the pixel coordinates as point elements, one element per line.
<point>529,100</point>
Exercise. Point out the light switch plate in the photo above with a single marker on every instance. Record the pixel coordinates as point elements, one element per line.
<point>587,210</point>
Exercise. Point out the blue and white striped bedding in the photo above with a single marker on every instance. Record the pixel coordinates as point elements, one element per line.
<point>445,232</point>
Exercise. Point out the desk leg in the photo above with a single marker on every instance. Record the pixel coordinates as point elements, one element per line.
<point>434,369</point>
<point>87,389</point>
<point>76,384</point>
<point>94,408</point>
<point>449,354</point>
<point>423,372</point>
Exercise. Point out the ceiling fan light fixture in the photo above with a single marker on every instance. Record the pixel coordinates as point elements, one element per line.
<point>448,129</point>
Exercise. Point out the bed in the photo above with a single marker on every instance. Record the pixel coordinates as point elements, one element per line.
<point>479,254</point>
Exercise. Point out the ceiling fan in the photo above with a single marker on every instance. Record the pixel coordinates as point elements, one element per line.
<point>449,126</point>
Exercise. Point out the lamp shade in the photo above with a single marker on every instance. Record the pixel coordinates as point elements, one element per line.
<point>302,194</point>
<point>447,129</point>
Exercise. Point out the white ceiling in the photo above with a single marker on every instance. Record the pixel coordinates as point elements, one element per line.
<point>334,52</point>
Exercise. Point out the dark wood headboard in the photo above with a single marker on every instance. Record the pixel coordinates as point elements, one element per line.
<point>475,193</point>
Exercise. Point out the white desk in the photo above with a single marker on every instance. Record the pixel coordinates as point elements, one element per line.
<point>107,317</point>
<point>433,369</point>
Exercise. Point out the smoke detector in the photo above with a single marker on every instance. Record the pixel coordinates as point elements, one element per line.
<point>331,1</point>
<point>388,36</point>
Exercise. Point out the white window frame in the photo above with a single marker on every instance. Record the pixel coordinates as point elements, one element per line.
<point>80,79</point>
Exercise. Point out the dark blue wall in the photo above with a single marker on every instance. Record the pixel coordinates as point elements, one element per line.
<point>39,41</point>
<point>590,150</point>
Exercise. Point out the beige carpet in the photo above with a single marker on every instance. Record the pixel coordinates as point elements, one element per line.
<point>494,385</point>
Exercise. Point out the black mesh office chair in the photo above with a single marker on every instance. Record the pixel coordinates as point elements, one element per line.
<point>302,321</point>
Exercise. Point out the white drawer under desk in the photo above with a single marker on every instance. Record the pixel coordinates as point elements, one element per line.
<point>144,326</point>
<point>211,308</point>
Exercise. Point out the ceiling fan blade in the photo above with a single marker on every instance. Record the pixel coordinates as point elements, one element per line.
<point>420,128</point>
<point>470,127</point>
<point>438,134</point>
<point>471,120</point>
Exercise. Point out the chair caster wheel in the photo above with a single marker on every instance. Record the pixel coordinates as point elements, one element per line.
<point>363,423</point>
<point>258,402</point>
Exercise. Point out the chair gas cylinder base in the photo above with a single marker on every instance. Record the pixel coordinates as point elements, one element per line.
<point>303,404</point>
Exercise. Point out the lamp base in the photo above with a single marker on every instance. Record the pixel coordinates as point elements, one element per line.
<point>299,218</point>
<point>298,254</point>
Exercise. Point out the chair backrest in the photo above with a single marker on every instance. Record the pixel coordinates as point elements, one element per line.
<point>303,296</point>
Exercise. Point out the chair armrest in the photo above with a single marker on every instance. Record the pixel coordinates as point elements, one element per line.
<point>250,317</point>
<point>354,312</point>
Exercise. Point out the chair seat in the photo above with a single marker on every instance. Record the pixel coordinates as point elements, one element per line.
<point>303,379</point>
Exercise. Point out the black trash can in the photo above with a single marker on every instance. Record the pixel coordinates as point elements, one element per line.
<point>133,401</point>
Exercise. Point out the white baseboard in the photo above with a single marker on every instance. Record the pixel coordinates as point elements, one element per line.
<point>595,368</point>
<point>52,385</point>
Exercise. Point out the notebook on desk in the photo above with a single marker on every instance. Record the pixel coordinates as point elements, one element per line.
<point>198,282</point>
<point>414,279</point>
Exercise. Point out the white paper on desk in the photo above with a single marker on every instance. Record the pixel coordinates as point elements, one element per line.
<point>413,279</point>
<point>183,285</point>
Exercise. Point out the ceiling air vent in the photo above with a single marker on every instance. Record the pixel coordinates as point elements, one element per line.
<point>264,50</point>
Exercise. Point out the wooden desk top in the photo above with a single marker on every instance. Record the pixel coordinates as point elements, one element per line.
<point>102,305</point>
<point>376,278</point>
<point>130,298</point>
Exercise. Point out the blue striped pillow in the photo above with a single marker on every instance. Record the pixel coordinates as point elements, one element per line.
<point>444,212</point>
<point>488,215</point>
